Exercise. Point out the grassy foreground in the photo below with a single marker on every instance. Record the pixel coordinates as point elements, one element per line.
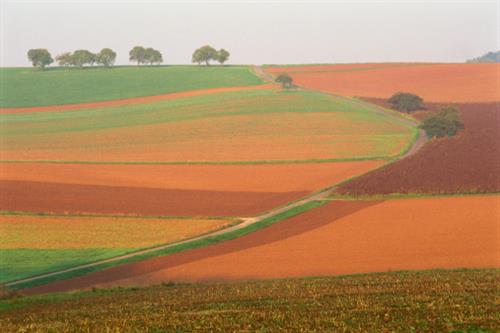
<point>53,86</point>
<point>428,301</point>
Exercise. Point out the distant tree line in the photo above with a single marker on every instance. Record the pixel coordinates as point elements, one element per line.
<point>41,58</point>
<point>80,58</point>
<point>488,57</point>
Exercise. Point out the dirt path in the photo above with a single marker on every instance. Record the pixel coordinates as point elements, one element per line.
<point>322,195</point>
<point>129,101</point>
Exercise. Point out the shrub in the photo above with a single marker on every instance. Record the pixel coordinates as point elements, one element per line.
<point>445,123</point>
<point>406,102</point>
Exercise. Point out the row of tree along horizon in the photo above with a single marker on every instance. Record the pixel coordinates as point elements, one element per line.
<point>106,57</point>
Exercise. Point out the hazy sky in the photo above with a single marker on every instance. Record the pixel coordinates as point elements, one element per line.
<point>255,31</point>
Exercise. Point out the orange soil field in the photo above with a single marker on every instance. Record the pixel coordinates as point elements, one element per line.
<point>341,237</point>
<point>61,232</point>
<point>336,67</point>
<point>128,101</point>
<point>301,136</point>
<point>174,190</point>
<point>433,82</point>
<point>232,177</point>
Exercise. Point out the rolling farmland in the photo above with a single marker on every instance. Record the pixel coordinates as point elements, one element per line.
<point>341,237</point>
<point>203,166</point>
<point>151,171</point>
<point>207,153</point>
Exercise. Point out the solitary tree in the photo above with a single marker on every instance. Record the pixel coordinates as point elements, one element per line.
<point>222,56</point>
<point>65,59</point>
<point>137,54</point>
<point>106,57</point>
<point>406,102</point>
<point>83,57</point>
<point>40,58</point>
<point>204,54</point>
<point>445,123</point>
<point>285,80</point>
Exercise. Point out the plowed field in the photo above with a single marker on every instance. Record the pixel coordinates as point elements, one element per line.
<point>468,162</point>
<point>175,190</point>
<point>433,82</point>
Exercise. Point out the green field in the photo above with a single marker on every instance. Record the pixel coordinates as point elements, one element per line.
<point>243,126</point>
<point>22,263</point>
<point>428,301</point>
<point>54,86</point>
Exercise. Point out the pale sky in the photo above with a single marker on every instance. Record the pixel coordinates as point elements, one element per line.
<point>255,32</point>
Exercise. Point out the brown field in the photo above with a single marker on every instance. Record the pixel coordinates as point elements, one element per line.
<point>460,83</point>
<point>341,237</point>
<point>175,190</point>
<point>468,162</point>
<point>76,232</point>
<point>128,101</point>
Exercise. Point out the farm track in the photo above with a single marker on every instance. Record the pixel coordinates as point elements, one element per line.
<point>129,101</point>
<point>319,196</point>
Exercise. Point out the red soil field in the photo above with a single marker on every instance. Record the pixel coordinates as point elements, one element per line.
<point>433,82</point>
<point>175,190</point>
<point>93,199</point>
<point>127,101</point>
<point>249,178</point>
<point>341,237</point>
<point>468,162</point>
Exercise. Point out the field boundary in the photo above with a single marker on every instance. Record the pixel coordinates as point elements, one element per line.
<point>258,162</point>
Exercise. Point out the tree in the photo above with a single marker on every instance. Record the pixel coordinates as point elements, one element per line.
<point>445,123</point>
<point>83,57</point>
<point>222,56</point>
<point>152,56</point>
<point>406,102</point>
<point>204,54</point>
<point>40,58</point>
<point>137,54</point>
<point>65,59</point>
<point>106,57</point>
<point>285,80</point>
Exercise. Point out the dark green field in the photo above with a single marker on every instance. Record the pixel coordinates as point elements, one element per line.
<point>429,301</point>
<point>54,86</point>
